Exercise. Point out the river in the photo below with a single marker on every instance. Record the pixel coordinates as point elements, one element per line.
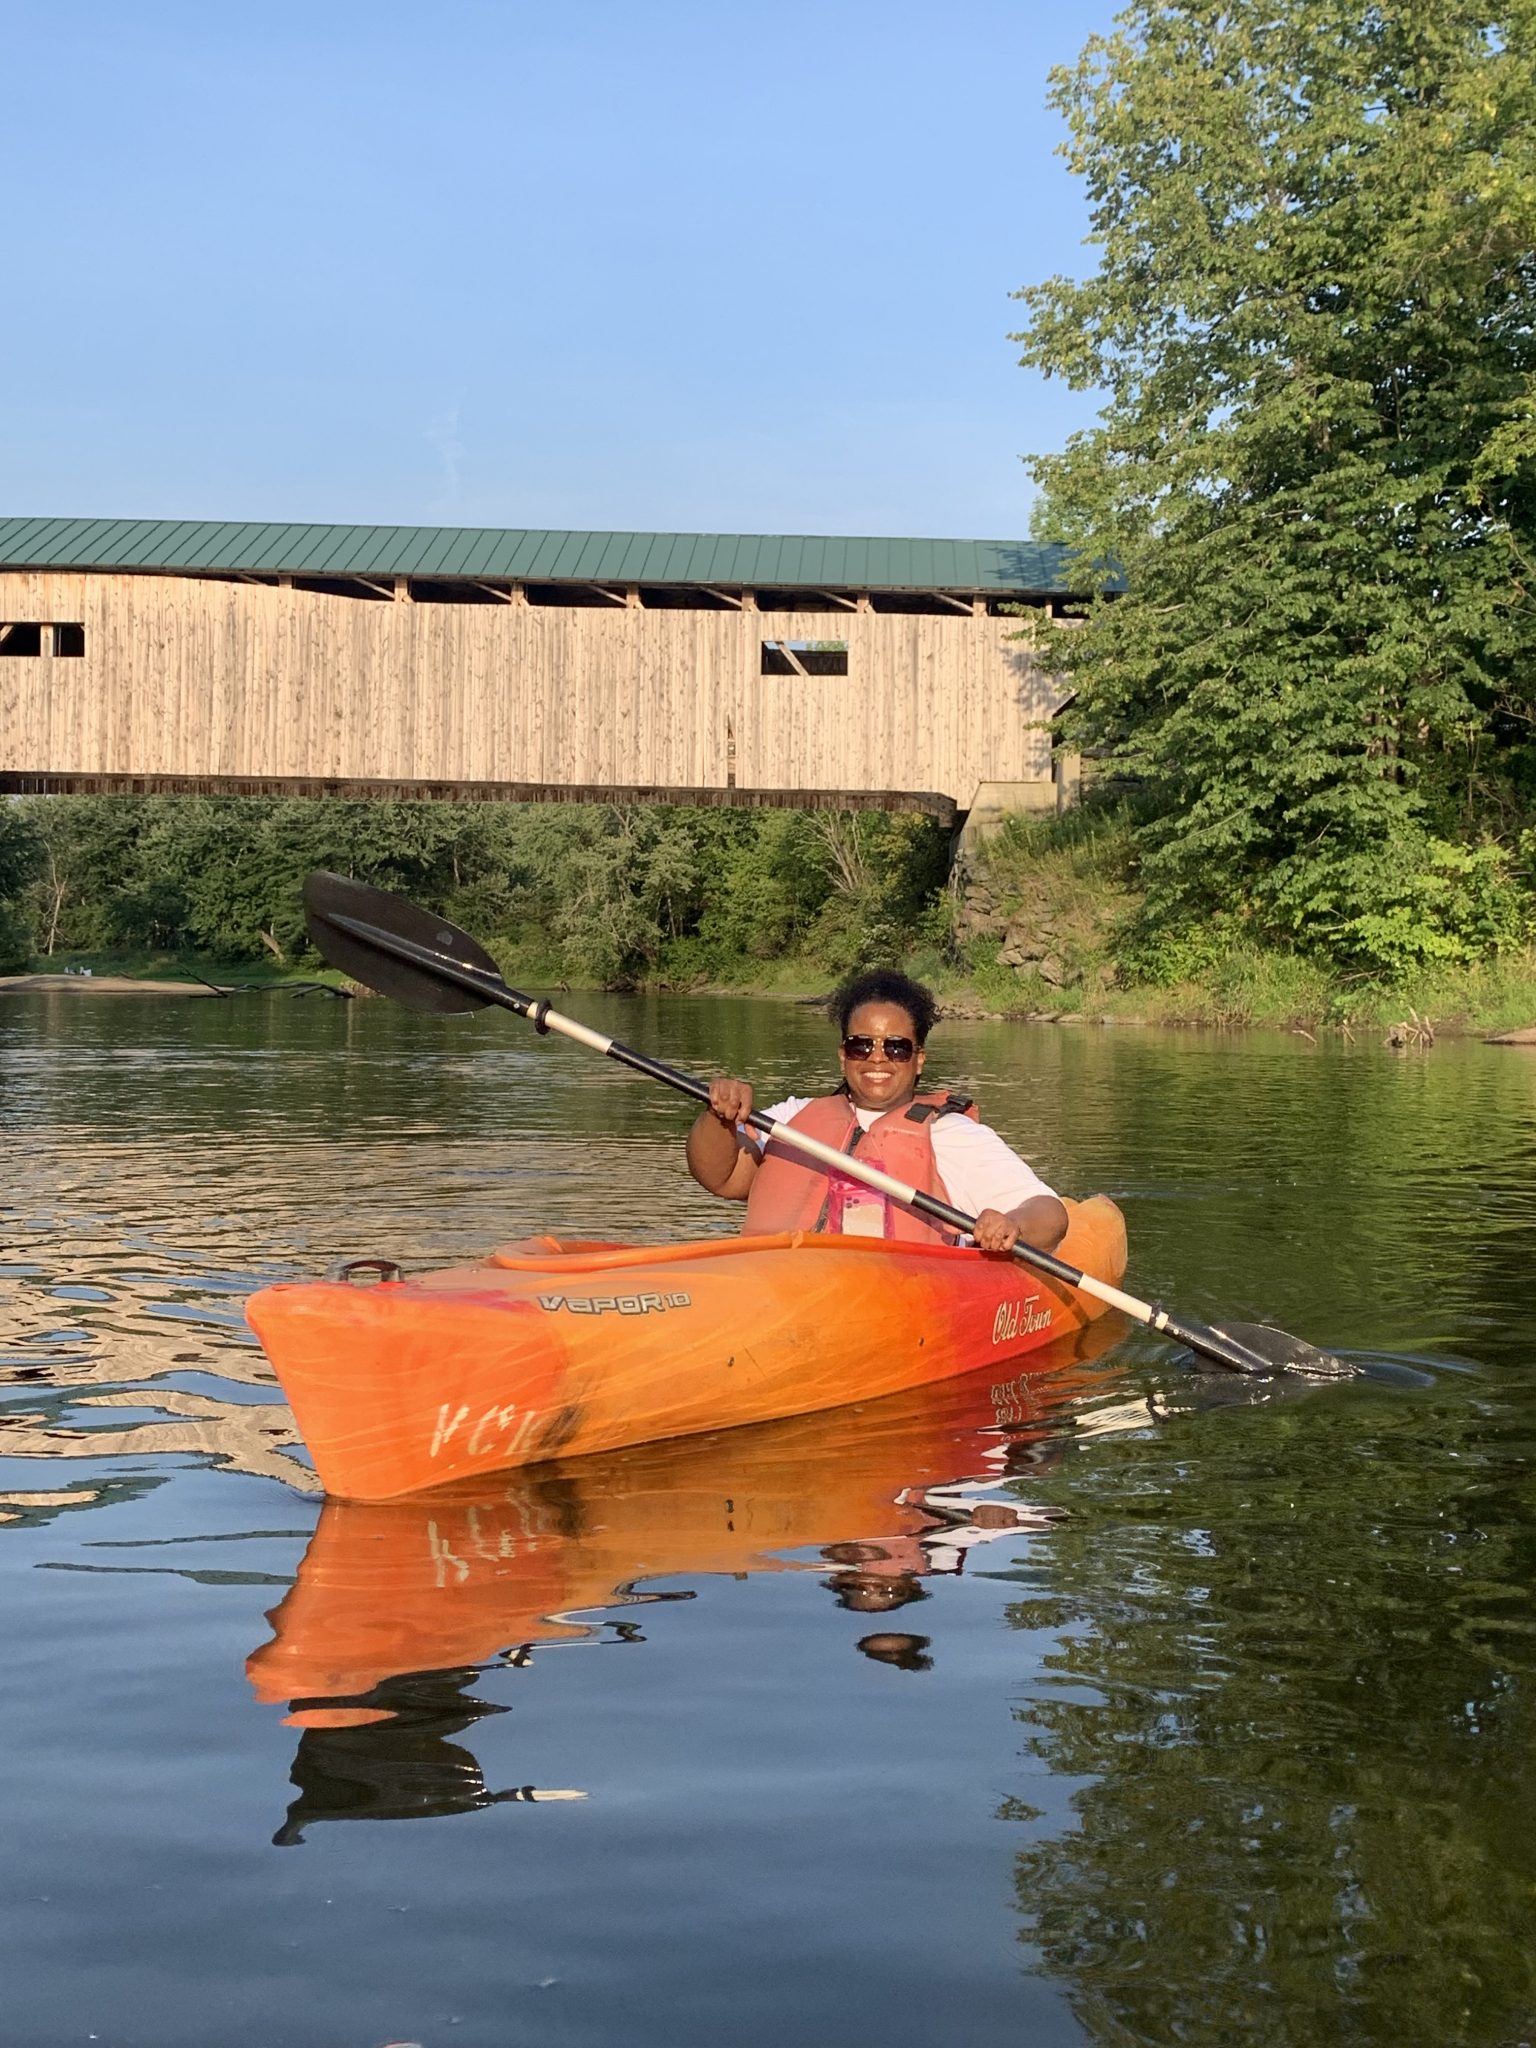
<point>1163,1712</point>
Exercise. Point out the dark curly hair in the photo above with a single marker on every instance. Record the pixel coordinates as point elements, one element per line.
<point>885,985</point>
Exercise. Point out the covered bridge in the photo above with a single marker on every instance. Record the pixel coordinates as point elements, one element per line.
<point>187,655</point>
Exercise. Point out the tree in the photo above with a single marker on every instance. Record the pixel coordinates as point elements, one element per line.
<point>20,857</point>
<point>616,893</point>
<point>1314,476</point>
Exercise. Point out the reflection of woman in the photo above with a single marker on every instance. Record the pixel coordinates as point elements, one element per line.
<point>872,1578</point>
<point>964,1517</point>
<point>905,1653</point>
<point>931,1142</point>
<point>961,1514</point>
<point>877,1578</point>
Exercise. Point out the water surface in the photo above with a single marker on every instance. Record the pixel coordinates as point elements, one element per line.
<point>1116,1707</point>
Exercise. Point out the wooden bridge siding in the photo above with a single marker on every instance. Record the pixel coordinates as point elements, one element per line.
<point>203,678</point>
<point>928,702</point>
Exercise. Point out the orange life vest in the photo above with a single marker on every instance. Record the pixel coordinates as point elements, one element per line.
<point>789,1191</point>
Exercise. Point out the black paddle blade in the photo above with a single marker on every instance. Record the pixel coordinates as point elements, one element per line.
<point>1257,1351</point>
<point>330,898</point>
<point>1285,1353</point>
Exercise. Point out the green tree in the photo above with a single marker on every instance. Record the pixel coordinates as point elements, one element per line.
<point>615,893</point>
<point>1314,320</point>
<point>89,850</point>
<point>20,856</point>
<point>770,882</point>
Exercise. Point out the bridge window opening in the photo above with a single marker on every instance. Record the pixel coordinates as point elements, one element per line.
<point>656,598</point>
<point>22,638</point>
<point>424,590</point>
<point>804,658</point>
<point>919,603</point>
<point>344,586</point>
<point>597,596</point>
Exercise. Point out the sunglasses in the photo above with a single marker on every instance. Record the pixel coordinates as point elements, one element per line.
<point>862,1047</point>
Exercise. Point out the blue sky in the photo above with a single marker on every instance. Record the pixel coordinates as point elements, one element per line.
<point>703,267</point>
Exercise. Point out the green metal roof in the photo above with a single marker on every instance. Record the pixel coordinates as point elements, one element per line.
<point>743,560</point>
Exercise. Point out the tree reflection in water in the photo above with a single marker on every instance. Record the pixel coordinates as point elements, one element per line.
<point>1296,1687</point>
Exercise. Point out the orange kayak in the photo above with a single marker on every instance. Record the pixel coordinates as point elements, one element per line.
<point>556,1350</point>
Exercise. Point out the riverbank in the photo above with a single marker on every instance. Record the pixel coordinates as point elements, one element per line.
<point>1262,994</point>
<point>1048,919</point>
<point>99,985</point>
<point>1044,919</point>
<point>121,973</point>
<point>1270,991</point>
<point>1279,992</point>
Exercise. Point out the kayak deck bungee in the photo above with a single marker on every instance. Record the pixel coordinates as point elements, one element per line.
<point>551,1349</point>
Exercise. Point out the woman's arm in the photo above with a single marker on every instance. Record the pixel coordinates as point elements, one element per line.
<point>719,1157</point>
<point>984,1174</point>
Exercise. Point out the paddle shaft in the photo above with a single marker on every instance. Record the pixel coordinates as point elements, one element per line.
<point>492,989</point>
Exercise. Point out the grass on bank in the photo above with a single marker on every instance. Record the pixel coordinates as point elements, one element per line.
<point>130,965</point>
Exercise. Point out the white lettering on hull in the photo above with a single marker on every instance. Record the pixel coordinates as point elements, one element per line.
<point>482,1440</point>
<point>621,1304</point>
<point>1019,1319</point>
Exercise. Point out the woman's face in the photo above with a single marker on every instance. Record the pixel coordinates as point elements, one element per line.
<point>881,1082</point>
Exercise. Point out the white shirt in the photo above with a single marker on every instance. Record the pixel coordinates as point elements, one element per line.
<point>978,1170</point>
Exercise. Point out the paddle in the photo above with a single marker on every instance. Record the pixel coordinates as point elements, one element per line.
<point>427,964</point>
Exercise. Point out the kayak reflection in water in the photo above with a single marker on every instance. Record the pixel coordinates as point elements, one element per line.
<point>399,1607</point>
<point>388,1751</point>
<point>931,1141</point>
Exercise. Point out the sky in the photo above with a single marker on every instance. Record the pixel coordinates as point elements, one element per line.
<point>682,266</point>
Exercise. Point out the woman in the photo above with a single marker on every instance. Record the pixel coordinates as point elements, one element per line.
<point>932,1142</point>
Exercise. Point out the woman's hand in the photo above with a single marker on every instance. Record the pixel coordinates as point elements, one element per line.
<point>995,1232</point>
<point>731,1101</point>
<point>720,1158</point>
<point>1041,1222</point>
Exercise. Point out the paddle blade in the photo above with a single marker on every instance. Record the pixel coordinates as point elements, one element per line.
<point>1285,1353</point>
<point>329,898</point>
<point>1257,1351</point>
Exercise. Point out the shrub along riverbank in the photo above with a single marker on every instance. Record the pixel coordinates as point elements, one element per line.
<point>1047,920</point>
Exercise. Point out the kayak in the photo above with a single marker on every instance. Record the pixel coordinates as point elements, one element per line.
<point>556,1349</point>
<point>449,1579</point>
